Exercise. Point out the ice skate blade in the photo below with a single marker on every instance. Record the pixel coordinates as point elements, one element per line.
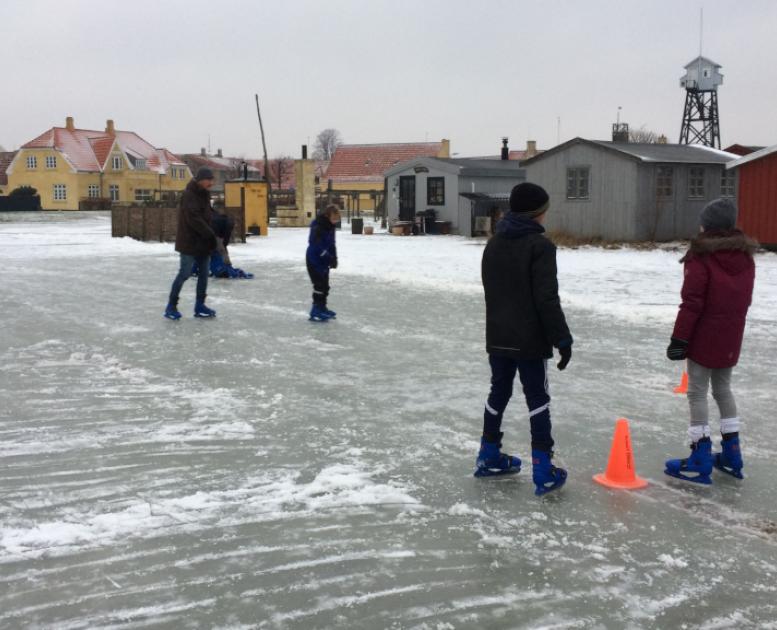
<point>201,316</point>
<point>172,318</point>
<point>702,479</point>
<point>542,490</point>
<point>496,472</point>
<point>731,472</point>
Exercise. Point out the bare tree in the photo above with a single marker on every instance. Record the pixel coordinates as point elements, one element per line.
<point>326,143</point>
<point>645,136</point>
<point>281,169</point>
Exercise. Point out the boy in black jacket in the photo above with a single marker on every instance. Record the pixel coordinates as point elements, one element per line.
<point>524,321</point>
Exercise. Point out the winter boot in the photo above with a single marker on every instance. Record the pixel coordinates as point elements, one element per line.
<point>200,310</point>
<point>491,461</point>
<point>545,475</point>
<point>330,314</point>
<point>730,460</point>
<point>171,312</point>
<point>318,314</point>
<point>699,464</point>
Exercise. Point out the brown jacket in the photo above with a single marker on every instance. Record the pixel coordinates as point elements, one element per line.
<point>195,236</point>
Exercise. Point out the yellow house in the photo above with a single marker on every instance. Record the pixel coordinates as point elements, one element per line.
<point>68,166</point>
<point>356,170</point>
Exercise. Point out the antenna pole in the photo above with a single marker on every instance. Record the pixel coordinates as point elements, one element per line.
<point>264,145</point>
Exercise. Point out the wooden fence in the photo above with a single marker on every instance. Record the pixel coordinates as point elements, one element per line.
<point>160,224</point>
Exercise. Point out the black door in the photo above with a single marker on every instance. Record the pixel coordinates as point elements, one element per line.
<point>407,198</point>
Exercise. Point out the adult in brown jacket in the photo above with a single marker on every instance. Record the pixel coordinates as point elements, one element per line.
<point>194,241</point>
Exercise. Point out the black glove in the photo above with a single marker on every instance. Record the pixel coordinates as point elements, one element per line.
<point>566,355</point>
<point>333,264</point>
<point>677,350</point>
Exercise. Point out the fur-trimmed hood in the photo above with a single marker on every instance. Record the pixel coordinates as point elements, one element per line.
<point>718,241</point>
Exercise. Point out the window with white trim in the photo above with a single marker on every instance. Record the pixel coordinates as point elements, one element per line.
<point>696,182</point>
<point>60,192</point>
<point>93,191</point>
<point>51,161</point>
<point>664,180</point>
<point>114,191</point>
<point>728,183</point>
<point>32,161</point>
<point>143,194</point>
<point>140,165</point>
<point>116,162</point>
<point>577,182</point>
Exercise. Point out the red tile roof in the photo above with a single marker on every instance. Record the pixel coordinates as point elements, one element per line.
<point>367,162</point>
<point>88,150</point>
<point>5,160</point>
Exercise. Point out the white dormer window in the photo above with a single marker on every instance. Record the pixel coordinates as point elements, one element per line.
<point>51,161</point>
<point>116,162</point>
<point>140,165</point>
<point>32,161</point>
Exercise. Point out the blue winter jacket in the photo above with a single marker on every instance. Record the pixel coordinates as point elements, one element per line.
<point>322,251</point>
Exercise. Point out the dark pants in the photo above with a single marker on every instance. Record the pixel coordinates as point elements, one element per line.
<point>534,379</point>
<point>320,285</point>
<point>185,272</point>
<point>223,225</point>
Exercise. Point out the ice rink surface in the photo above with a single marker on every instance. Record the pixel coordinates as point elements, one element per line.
<point>261,471</point>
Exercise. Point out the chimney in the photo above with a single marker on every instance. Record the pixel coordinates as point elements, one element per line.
<point>69,124</point>
<point>202,152</point>
<point>109,128</point>
<point>219,153</point>
<point>505,155</point>
<point>445,150</point>
<point>531,148</point>
<point>304,152</point>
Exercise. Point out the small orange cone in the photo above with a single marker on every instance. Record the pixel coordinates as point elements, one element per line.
<point>682,388</point>
<point>620,471</point>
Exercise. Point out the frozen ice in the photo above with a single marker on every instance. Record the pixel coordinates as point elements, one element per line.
<point>262,471</point>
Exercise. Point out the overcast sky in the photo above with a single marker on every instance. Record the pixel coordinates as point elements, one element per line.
<point>379,71</point>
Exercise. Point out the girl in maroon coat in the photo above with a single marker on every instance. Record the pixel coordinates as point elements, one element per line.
<point>717,290</point>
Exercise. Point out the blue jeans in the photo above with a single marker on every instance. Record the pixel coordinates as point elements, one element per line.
<point>185,272</point>
<point>534,379</point>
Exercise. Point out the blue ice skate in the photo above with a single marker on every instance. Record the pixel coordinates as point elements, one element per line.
<point>200,310</point>
<point>331,314</point>
<point>318,314</point>
<point>172,312</point>
<point>546,476</point>
<point>730,460</point>
<point>699,464</point>
<point>492,462</point>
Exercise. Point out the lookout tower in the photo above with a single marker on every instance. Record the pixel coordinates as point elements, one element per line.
<point>701,124</point>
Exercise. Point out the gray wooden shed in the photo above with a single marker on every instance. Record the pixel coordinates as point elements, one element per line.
<point>465,192</point>
<point>629,191</point>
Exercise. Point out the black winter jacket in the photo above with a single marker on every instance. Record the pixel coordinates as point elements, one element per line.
<point>524,319</point>
<point>194,235</point>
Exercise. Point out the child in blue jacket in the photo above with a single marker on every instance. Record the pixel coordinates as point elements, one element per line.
<point>321,256</point>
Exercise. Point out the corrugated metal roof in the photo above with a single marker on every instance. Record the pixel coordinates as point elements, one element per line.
<point>647,152</point>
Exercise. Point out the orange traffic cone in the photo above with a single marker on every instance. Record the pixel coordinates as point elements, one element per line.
<point>620,471</point>
<point>682,388</point>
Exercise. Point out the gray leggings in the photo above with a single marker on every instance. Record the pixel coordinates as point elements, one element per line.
<point>699,379</point>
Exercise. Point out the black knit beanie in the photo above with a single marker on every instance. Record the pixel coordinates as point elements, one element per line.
<point>720,214</point>
<point>529,200</point>
<point>204,173</point>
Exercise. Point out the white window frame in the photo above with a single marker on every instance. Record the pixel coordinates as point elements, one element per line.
<point>144,197</point>
<point>60,192</point>
<point>728,183</point>
<point>93,191</point>
<point>116,162</point>
<point>32,162</point>
<point>140,165</point>
<point>51,161</point>
<point>114,192</point>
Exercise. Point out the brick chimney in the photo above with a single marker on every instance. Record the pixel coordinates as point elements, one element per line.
<point>109,128</point>
<point>219,153</point>
<point>531,148</point>
<point>445,150</point>
<point>69,124</point>
<point>202,152</point>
